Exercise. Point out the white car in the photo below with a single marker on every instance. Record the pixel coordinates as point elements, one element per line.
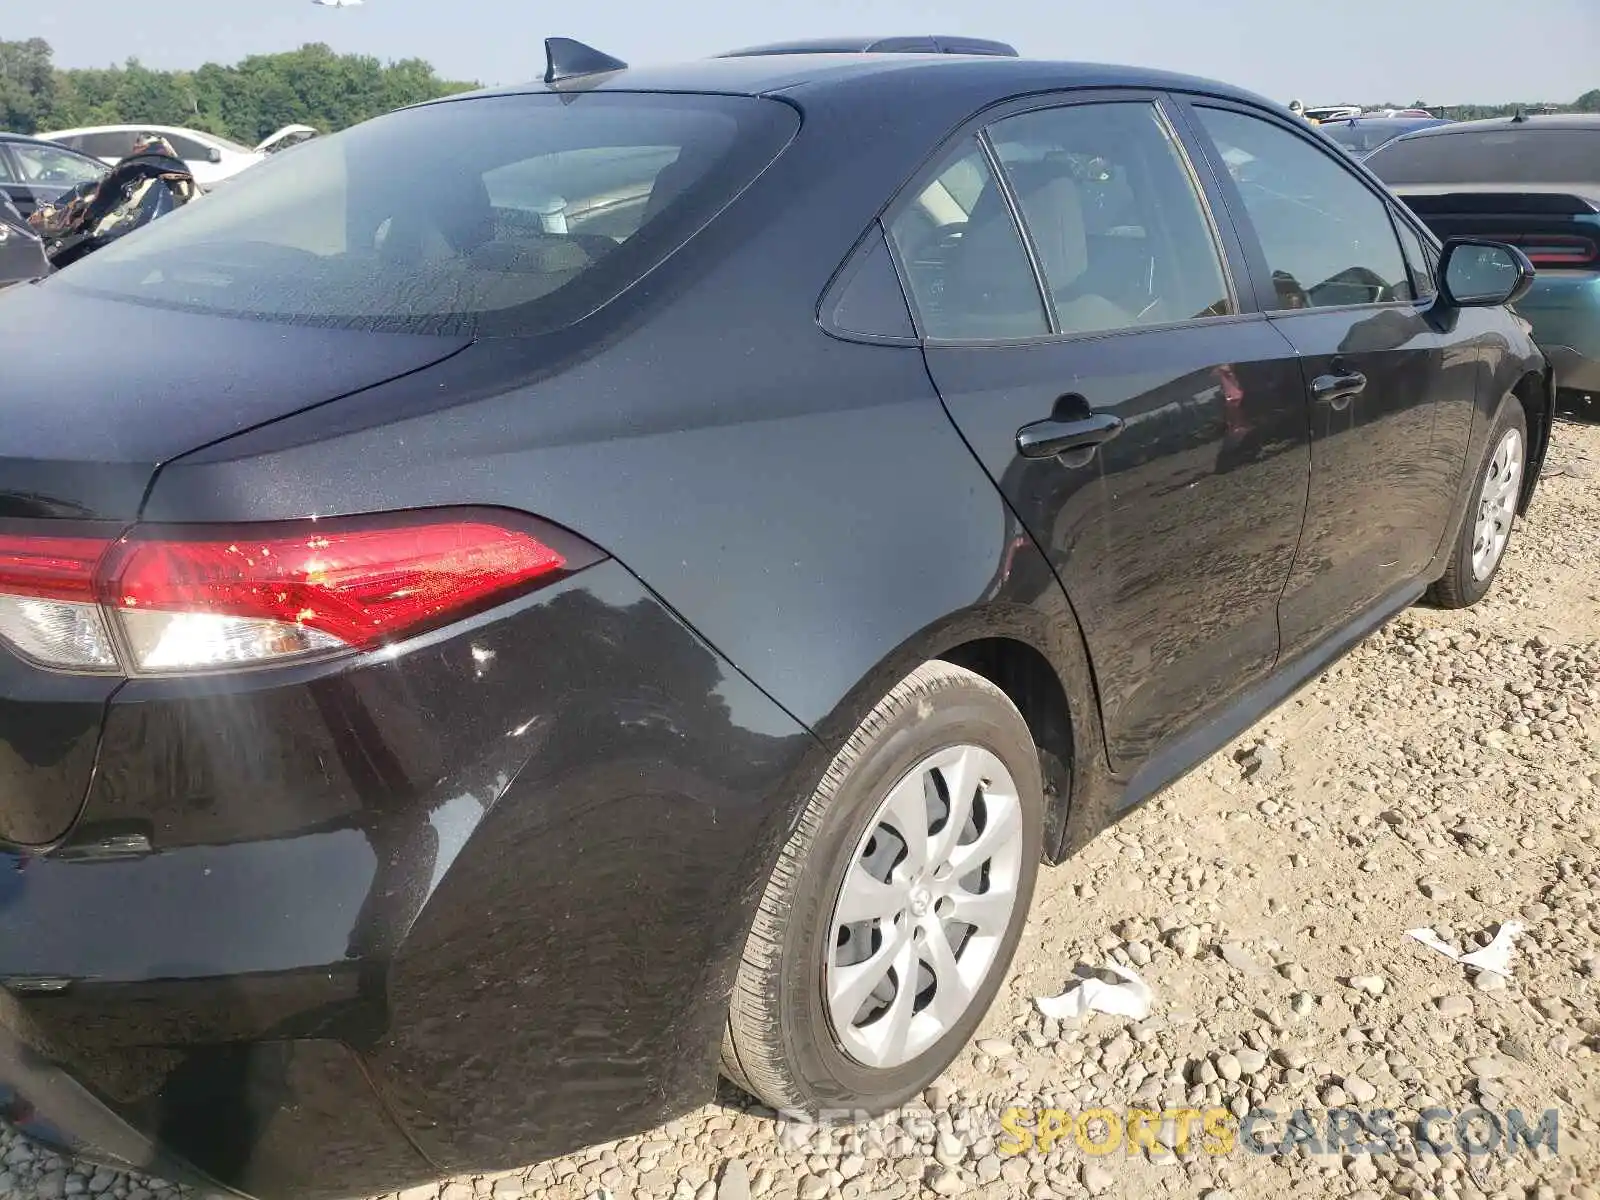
<point>210,158</point>
<point>1333,112</point>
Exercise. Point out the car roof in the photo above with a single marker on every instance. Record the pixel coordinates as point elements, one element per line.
<point>37,140</point>
<point>1530,123</point>
<point>181,131</point>
<point>977,78</point>
<point>940,43</point>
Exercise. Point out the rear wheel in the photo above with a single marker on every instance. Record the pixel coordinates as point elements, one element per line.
<point>1491,513</point>
<point>895,908</point>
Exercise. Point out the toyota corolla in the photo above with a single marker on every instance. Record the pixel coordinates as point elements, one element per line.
<point>548,596</point>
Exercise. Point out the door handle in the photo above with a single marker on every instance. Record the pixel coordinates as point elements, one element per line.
<point>1046,439</point>
<point>1339,389</point>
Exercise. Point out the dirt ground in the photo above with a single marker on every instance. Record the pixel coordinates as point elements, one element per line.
<point>1445,775</point>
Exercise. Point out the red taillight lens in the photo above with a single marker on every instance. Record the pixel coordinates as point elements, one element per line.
<point>1558,250</point>
<point>188,600</point>
<point>55,567</point>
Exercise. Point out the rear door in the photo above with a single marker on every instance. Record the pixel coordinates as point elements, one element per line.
<point>1147,426</point>
<point>1323,247</point>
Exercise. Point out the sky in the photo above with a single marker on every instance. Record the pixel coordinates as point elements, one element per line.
<point>1459,51</point>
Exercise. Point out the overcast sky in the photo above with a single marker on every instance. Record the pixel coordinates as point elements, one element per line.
<point>1360,51</point>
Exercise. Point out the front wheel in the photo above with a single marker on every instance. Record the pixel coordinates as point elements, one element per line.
<point>894,910</point>
<point>1491,513</point>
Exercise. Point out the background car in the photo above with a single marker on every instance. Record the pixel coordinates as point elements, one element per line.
<point>1532,181</point>
<point>289,135</point>
<point>34,171</point>
<point>1332,112</point>
<point>1364,134</point>
<point>544,597</point>
<point>209,157</point>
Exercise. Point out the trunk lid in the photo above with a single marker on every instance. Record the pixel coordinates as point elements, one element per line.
<point>1557,228</point>
<point>95,394</point>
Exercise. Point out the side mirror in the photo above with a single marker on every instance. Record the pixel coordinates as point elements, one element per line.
<point>213,155</point>
<point>1478,273</point>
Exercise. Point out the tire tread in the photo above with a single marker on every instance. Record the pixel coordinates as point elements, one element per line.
<point>1456,588</point>
<point>752,1047</point>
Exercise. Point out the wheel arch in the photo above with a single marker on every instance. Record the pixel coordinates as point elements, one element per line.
<point>1036,655</point>
<point>1536,392</point>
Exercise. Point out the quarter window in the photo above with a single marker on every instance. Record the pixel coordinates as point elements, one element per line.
<point>1418,259</point>
<point>1327,237</point>
<point>1116,222</point>
<point>964,257</point>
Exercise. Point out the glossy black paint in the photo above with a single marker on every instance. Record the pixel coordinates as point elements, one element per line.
<point>528,823</point>
<point>382,895</point>
<point>89,419</point>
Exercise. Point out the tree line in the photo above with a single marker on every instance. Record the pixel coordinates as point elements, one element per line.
<point>246,101</point>
<point>309,86</point>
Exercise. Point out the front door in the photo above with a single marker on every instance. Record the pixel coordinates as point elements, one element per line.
<point>1324,245</point>
<point>1149,431</point>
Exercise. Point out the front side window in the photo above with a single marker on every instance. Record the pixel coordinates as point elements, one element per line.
<point>106,145</point>
<point>1327,237</point>
<point>964,257</point>
<point>50,165</point>
<point>1116,222</point>
<point>495,216</point>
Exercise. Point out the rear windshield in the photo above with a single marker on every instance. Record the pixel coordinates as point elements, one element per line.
<point>1492,156</point>
<point>492,216</point>
<point>1361,136</point>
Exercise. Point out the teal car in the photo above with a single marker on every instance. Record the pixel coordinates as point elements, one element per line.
<point>1532,181</point>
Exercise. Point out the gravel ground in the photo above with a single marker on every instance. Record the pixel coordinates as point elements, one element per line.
<point>1446,774</point>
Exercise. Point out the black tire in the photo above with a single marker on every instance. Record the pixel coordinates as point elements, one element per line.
<point>1460,586</point>
<point>779,1043</point>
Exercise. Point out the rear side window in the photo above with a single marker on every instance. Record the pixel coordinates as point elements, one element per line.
<point>188,149</point>
<point>1502,155</point>
<point>1116,222</point>
<point>964,257</point>
<point>105,145</point>
<point>498,215</point>
<point>1327,237</point>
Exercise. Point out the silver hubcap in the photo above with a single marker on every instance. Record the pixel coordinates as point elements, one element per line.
<point>1497,505</point>
<point>924,906</point>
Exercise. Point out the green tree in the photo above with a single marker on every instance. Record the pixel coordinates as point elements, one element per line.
<point>246,101</point>
<point>27,84</point>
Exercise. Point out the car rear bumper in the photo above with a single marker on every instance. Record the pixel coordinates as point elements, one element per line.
<point>329,931</point>
<point>46,1104</point>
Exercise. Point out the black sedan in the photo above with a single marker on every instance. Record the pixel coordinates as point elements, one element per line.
<point>551,595</point>
<point>34,172</point>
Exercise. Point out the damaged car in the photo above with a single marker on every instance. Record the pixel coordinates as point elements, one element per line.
<point>149,183</point>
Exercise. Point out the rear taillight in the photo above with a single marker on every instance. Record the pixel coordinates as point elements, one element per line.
<point>173,600</point>
<point>1557,250</point>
